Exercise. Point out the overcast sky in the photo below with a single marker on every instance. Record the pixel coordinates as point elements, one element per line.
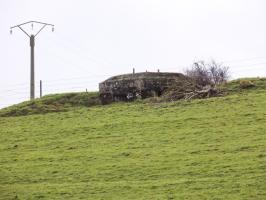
<point>95,39</point>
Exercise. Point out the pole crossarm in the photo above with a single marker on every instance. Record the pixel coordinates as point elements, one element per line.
<point>31,22</point>
<point>40,30</point>
<point>44,25</point>
<point>24,31</point>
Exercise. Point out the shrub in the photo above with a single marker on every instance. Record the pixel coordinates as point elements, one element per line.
<point>212,73</point>
<point>245,84</point>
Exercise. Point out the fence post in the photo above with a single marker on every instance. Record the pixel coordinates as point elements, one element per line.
<point>40,88</point>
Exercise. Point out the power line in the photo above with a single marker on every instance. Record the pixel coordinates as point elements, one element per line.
<point>243,60</point>
<point>251,65</point>
<point>55,82</point>
<point>77,83</point>
<point>101,61</point>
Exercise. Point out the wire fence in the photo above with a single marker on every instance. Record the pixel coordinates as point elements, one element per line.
<point>15,93</point>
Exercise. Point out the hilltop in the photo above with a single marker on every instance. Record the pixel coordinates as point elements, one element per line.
<point>68,146</point>
<point>67,101</point>
<point>52,103</point>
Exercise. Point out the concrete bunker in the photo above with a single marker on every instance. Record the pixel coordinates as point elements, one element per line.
<point>129,87</point>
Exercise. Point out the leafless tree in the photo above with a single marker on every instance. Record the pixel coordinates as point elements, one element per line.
<point>204,74</point>
<point>218,72</point>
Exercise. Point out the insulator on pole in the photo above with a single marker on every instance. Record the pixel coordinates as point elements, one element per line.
<point>53,29</point>
<point>32,26</point>
<point>11,31</point>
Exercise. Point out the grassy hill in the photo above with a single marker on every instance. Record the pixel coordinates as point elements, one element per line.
<point>52,103</point>
<point>201,149</point>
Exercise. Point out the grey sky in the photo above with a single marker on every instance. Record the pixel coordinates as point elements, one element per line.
<point>95,39</point>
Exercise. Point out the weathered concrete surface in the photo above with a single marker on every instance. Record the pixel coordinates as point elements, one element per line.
<point>139,85</point>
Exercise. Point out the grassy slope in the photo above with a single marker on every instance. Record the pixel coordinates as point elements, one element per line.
<point>52,103</point>
<point>203,149</point>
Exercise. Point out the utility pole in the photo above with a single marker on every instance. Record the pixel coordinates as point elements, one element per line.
<point>32,74</point>
<point>32,44</point>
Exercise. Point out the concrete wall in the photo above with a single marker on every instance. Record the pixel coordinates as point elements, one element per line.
<point>128,87</point>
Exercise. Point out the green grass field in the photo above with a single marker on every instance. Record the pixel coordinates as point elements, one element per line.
<point>201,149</point>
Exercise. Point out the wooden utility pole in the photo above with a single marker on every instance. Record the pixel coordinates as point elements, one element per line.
<point>32,44</point>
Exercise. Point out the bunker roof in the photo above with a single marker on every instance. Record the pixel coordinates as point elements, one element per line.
<point>145,75</point>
